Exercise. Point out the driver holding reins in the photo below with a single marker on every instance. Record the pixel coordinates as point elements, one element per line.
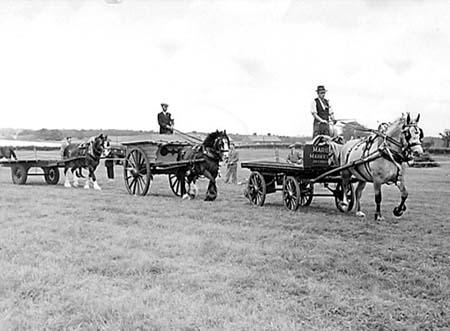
<point>322,113</point>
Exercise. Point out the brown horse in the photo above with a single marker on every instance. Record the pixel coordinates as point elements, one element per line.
<point>384,154</point>
<point>7,152</point>
<point>86,156</point>
<point>212,151</point>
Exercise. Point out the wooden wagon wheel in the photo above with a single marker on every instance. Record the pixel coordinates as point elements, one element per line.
<point>291,193</point>
<point>176,182</point>
<point>306,193</point>
<point>339,196</point>
<point>256,189</point>
<point>19,174</point>
<point>137,174</point>
<point>51,175</point>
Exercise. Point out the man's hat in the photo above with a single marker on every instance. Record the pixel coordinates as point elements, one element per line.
<point>321,88</point>
<point>164,104</point>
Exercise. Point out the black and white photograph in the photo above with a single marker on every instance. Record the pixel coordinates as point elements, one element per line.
<point>224,165</point>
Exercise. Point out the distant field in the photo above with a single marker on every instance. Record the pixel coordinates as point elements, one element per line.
<point>72,259</point>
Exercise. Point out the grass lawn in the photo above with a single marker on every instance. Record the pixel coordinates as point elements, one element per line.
<point>72,259</point>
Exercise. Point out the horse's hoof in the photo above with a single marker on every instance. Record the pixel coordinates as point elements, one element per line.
<point>379,218</point>
<point>185,197</point>
<point>399,211</point>
<point>360,214</point>
<point>98,188</point>
<point>67,185</point>
<point>343,206</point>
<point>86,187</point>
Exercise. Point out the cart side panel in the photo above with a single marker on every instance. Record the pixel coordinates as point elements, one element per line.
<point>316,156</point>
<point>170,152</point>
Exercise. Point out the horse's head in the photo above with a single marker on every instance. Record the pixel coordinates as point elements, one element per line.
<point>408,134</point>
<point>100,143</point>
<point>218,142</point>
<point>413,135</point>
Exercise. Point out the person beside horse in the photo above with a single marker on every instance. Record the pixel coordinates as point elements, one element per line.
<point>381,159</point>
<point>85,156</point>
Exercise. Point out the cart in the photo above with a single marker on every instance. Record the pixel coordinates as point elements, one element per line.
<point>162,156</point>
<point>50,169</point>
<point>297,181</point>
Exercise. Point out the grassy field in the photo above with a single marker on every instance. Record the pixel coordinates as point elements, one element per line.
<point>72,259</point>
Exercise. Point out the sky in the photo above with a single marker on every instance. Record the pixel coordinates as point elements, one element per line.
<point>240,65</point>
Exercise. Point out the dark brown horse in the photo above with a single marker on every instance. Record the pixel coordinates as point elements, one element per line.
<point>86,156</point>
<point>212,151</point>
<point>7,152</point>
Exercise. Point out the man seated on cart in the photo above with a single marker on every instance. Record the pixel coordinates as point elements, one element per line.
<point>294,155</point>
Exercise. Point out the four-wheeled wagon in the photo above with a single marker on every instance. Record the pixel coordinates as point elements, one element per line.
<point>297,181</point>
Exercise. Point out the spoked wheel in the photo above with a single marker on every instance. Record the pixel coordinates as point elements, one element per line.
<point>51,175</point>
<point>291,193</point>
<point>256,189</point>
<point>176,182</point>
<point>306,193</point>
<point>339,197</point>
<point>19,174</point>
<point>137,174</point>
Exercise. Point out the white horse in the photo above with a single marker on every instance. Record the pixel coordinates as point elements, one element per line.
<point>385,154</point>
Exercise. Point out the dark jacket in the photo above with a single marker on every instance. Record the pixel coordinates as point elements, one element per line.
<point>165,121</point>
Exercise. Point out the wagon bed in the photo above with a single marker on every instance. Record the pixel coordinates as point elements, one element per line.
<point>297,181</point>
<point>161,156</point>
<point>20,169</point>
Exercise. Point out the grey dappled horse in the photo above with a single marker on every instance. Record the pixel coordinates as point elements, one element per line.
<point>386,154</point>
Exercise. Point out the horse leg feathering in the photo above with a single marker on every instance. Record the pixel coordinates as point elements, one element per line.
<point>378,198</point>
<point>76,182</point>
<point>400,209</point>
<point>358,193</point>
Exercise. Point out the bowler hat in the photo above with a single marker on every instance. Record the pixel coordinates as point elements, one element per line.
<point>321,88</point>
<point>164,104</point>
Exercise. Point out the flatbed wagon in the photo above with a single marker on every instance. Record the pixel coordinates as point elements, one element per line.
<point>160,156</point>
<point>50,169</point>
<point>297,181</point>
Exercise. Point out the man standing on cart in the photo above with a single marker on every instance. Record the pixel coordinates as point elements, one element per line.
<point>165,120</point>
<point>322,113</point>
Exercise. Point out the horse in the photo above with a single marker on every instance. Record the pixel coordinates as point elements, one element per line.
<point>86,156</point>
<point>381,159</point>
<point>7,152</point>
<point>212,151</point>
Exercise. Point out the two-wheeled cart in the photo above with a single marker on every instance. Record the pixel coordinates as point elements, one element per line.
<point>146,158</point>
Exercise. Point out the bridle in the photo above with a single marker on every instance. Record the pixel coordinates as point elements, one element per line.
<point>217,150</point>
<point>98,147</point>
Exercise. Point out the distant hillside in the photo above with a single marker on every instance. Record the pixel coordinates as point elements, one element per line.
<point>57,135</point>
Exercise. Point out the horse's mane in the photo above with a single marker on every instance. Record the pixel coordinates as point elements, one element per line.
<point>395,128</point>
<point>210,138</point>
